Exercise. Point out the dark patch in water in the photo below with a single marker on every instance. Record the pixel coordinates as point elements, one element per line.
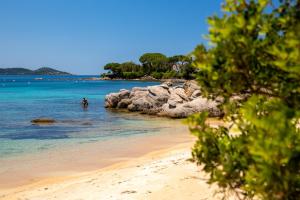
<point>39,135</point>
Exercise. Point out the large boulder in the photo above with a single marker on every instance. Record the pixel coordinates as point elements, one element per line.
<point>140,104</point>
<point>158,95</point>
<point>190,87</point>
<point>185,109</point>
<point>124,103</point>
<point>112,99</point>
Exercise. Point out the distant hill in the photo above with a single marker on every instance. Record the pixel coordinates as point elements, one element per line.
<point>23,71</point>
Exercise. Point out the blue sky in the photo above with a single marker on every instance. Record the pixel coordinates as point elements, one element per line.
<point>80,36</point>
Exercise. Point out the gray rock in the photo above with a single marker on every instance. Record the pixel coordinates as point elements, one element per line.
<point>124,94</point>
<point>124,103</point>
<point>139,104</point>
<point>112,100</point>
<point>181,93</point>
<point>134,89</point>
<point>188,108</point>
<point>167,99</point>
<point>158,95</point>
<point>190,87</point>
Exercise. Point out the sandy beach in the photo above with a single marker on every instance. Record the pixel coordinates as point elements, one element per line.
<point>164,174</point>
<point>149,167</point>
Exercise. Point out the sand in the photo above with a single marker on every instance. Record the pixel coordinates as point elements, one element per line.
<point>164,174</point>
<point>163,171</point>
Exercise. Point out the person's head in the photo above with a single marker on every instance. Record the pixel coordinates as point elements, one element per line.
<point>84,98</point>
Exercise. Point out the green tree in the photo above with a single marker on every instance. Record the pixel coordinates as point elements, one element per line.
<point>254,53</point>
<point>154,62</point>
<point>182,64</point>
<point>130,67</point>
<point>113,67</point>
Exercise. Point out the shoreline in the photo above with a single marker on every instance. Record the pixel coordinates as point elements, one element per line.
<point>74,158</point>
<point>162,171</point>
<point>160,174</point>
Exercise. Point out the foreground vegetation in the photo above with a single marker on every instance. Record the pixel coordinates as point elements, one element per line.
<point>255,51</point>
<point>155,65</point>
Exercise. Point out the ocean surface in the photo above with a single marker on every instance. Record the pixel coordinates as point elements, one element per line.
<point>23,98</point>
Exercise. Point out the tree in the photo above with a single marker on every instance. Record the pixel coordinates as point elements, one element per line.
<point>130,67</point>
<point>113,67</point>
<point>154,62</point>
<point>178,61</point>
<point>255,53</point>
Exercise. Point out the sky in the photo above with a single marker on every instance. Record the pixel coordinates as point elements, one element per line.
<point>81,36</point>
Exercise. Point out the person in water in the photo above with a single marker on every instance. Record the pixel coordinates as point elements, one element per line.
<point>85,103</point>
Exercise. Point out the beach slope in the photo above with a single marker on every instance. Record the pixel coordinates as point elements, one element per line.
<point>164,174</point>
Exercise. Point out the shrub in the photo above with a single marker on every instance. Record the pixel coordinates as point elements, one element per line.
<point>169,74</point>
<point>157,75</point>
<point>131,75</point>
<point>255,51</point>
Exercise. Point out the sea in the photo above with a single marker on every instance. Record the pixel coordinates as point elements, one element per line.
<point>24,98</point>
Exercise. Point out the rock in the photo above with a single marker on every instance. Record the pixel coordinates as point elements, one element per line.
<point>168,83</point>
<point>112,100</point>
<point>124,103</point>
<point>148,78</point>
<point>159,95</point>
<point>165,86</point>
<point>124,94</point>
<point>171,99</point>
<point>43,121</point>
<point>134,89</point>
<point>195,94</point>
<point>190,87</point>
<point>188,108</point>
<point>140,104</point>
<point>181,93</point>
<point>174,100</point>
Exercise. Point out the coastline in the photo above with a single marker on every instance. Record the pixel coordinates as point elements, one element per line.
<point>160,171</point>
<point>162,174</point>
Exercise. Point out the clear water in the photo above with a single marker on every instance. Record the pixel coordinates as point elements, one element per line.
<point>23,98</point>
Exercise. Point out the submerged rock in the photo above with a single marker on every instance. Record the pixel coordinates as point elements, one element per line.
<point>167,99</point>
<point>43,121</point>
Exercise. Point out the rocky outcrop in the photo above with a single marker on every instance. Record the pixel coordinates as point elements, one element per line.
<point>167,99</point>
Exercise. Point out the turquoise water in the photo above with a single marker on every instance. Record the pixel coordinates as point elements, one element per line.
<point>23,98</point>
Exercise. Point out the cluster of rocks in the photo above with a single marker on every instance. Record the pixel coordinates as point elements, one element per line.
<point>168,99</point>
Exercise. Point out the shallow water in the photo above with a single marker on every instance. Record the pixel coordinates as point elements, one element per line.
<point>23,98</point>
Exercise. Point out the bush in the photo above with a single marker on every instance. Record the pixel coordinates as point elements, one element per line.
<point>169,74</point>
<point>255,51</point>
<point>157,75</point>
<point>131,75</point>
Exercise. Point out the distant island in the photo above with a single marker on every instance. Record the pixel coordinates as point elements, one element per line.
<point>24,71</point>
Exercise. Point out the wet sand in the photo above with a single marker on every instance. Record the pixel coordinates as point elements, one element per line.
<point>72,159</point>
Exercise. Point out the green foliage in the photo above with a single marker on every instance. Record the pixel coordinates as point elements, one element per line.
<point>155,64</point>
<point>169,74</point>
<point>131,75</point>
<point>157,75</point>
<point>112,66</point>
<point>130,67</point>
<point>154,61</point>
<point>255,50</point>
